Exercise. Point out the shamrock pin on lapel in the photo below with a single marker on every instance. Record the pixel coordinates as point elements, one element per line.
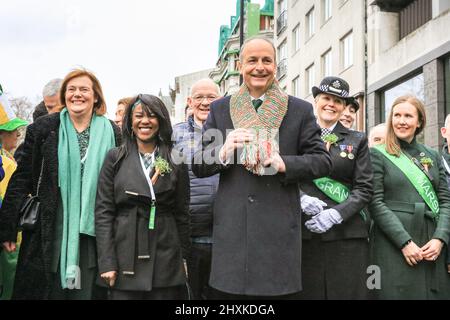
<point>426,162</point>
<point>161,167</point>
<point>330,139</point>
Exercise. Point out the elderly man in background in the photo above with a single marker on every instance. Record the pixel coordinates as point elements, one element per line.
<point>377,135</point>
<point>187,136</point>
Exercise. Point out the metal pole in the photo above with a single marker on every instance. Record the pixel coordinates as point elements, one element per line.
<point>241,32</point>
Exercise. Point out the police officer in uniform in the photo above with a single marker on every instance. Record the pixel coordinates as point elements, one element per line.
<point>335,234</point>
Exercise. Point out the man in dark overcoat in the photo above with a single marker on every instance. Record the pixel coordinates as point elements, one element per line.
<point>262,142</point>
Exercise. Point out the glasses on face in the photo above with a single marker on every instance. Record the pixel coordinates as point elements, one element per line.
<point>199,99</point>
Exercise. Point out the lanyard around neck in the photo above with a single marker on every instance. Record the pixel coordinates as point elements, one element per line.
<point>147,175</point>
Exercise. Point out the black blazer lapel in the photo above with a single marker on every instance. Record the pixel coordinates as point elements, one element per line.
<point>134,174</point>
<point>340,131</point>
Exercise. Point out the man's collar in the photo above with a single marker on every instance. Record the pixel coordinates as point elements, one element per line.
<point>193,123</point>
<point>261,98</point>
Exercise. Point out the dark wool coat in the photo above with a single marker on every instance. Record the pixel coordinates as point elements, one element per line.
<point>400,214</point>
<point>34,279</point>
<point>256,233</point>
<point>342,269</point>
<point>124,242</point>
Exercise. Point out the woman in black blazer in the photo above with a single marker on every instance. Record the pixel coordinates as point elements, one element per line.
<point>142,221</point>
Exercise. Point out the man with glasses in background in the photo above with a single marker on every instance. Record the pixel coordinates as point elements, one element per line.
<point>187,138</point>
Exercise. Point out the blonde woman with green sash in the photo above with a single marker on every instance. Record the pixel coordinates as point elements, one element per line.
<point>411,210</point>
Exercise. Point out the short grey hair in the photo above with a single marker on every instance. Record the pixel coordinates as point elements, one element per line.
<point>378,126</point>
<point>447,120</point>
<point>207,81</point>
<point>52,88</point>
<point>247,41</point>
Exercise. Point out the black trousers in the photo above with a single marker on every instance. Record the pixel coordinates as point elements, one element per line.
<point>167,293</point>
<point>199,268</point>
<point>335,270</point>
<point>89,291</point>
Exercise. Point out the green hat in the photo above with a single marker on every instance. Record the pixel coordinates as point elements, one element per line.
<point>8,120</point>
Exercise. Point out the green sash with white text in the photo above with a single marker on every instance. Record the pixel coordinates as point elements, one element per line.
<point>418,179</point>
<point>335,190</point>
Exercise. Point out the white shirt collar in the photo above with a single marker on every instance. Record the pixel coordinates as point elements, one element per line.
<point>332,127</point>
<point>261,98</point>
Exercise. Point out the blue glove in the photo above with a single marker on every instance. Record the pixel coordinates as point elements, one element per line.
<point>311,205</point>
<point>323,221</point>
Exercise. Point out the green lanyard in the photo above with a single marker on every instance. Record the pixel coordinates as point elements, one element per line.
<point>151,219</point>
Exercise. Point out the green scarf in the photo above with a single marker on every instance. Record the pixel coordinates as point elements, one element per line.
<point>78,193</point>
<point>265,124</point>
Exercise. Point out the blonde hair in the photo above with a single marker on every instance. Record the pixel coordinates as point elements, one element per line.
<point>100,105</point>
<point>392,142</point>
<point>125,101</point>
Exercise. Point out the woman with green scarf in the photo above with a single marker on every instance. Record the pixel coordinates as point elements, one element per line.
<point>62,157</point>
<point>142,209</point>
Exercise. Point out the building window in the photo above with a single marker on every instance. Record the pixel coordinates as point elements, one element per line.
<point>327,10</point>
<point>310,24</point>
<point>282,18</point>
<point>347,50</point>
<point>296,87</point>
<point>414,86</point>
<point>282,52</point>
<point>327,69</point>
<point>282,58</point>
<point>296,38</point>
<point>310,79</point>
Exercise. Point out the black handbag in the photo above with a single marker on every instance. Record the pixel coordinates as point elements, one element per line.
<point>29,212</point>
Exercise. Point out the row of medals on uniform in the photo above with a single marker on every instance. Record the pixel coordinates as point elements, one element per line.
<point>346,151</point>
